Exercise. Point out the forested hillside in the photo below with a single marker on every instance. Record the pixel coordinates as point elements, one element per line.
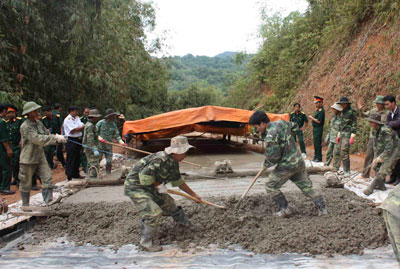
<point>219,71</point>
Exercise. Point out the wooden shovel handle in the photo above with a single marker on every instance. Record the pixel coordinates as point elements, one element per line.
<point>194,199</point>
<point>251,185</point>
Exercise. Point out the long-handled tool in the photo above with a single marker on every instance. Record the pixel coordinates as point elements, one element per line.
<point>251,185</point>
<point>194,199</point>
<point>145,152</point>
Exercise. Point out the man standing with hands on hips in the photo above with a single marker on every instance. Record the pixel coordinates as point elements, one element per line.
<point>318,121</point>
<point>73,128</point>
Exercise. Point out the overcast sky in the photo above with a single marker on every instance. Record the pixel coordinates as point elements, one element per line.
<point>209,27</point>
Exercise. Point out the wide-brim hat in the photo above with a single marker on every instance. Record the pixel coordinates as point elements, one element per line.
<point>379,100</point>
<point>94,113</point>
<point>110,112</point>
<point>337,107</point>
<point>29,107</point>
<point>179,145</point>
<point>375,117</point>
<point>344,100</point>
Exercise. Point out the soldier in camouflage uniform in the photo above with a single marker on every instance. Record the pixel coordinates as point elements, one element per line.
<point>107,130</point>
<point>34,137</point>
<point>386,151</point>
<point>300,118</point>
<point>332,133</point>
<point>90,140</point>
<point>346,135</point>
<point>281,151</point>
<point>369,154</point>
<point>13,126</point>
<point>84,119</point>
<point>145,186</point>
<point>52,123</point>
<point>391,214</point>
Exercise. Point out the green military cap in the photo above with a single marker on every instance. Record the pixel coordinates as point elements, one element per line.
<point>318,99</point>
<point>29,107</point>
<point>375,117</point>
<point>379,99</point>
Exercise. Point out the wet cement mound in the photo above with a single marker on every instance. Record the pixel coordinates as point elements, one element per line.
<point>351,226</point>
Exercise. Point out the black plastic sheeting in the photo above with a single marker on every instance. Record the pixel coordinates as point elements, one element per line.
<point>61,254</point>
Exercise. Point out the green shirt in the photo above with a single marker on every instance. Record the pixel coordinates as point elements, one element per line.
<point>59,122</point>
<point>4,137</point>
<point>349,122</point>
<point>108,130</point>
<point>334,128</point>
<point>90,137</point>
<point>52,124</point>
<point>298,118</point>
<point>84,119</point>
<point>13,127</point>
<point>319,115</point>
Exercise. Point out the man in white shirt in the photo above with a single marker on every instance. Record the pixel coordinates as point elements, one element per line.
<point>73,128</point>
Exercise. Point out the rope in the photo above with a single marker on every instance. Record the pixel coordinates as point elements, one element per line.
<point>100,150</point>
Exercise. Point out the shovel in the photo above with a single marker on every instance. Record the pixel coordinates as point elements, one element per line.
<point>251,185</point>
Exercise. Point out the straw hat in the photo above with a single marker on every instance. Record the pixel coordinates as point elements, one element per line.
<point>179,145</point>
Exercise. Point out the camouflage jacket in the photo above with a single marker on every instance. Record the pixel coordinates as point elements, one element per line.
<point>333,128</point>
<point>90,137</point>
<point>386,142</point>
<point>34,137</point>
<point>349,122</point>
<point>299,118</point>
<point>108,130</point>
<point>158,167</point>
<point>392,202</point>
<point>280,146</point>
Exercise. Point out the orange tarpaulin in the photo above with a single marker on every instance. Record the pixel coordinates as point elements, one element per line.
<point>206,119</point>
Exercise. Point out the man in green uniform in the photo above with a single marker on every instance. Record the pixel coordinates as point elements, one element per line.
<point>391,214</point>
<point>51,122</point>
<point>281,151</point>
<point>13,126</point>
<point>346,134</point>
<point>300,118</point>
<point>386,145</point>
<point>84,119</point>
<point>369,154</point>
<point>91,143</point>
<point>332,133</point>
<point>59,150</point>
<point>6,154</point>
<point>107,130</point>
<point>318,121</point>
<point>145,186</point>
<point>35,137</point>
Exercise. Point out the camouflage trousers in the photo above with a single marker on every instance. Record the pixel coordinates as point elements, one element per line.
<point>298,176</point>
<point>108,156</point>
<point>151,204</point>
<point>93,165</point>
<point>386,168</point>
<point>329,153</point>
<point>41,170</point>
<point>393,228</point>
<point>341,153</point>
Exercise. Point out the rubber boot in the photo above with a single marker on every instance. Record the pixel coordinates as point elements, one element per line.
<point>25,198</point>
<point>320,205</point>
<point>146,239</point>
<point>346,167</point>
<point>47,195</point>
<point>371,187</point>
<point>281,201</point>
<point>180,217</point>
<point>108,168</point>
<point>381,185</point>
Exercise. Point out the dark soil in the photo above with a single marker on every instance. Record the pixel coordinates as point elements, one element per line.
<point>351,226</point>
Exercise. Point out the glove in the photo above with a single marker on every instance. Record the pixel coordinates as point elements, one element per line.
<point>162,188</point>
<point>351,141</point>
<point>338,139</point>
<point>60,139</point>
<point>96,153</point>
<point>121,142</point>
<point>102,140</point>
